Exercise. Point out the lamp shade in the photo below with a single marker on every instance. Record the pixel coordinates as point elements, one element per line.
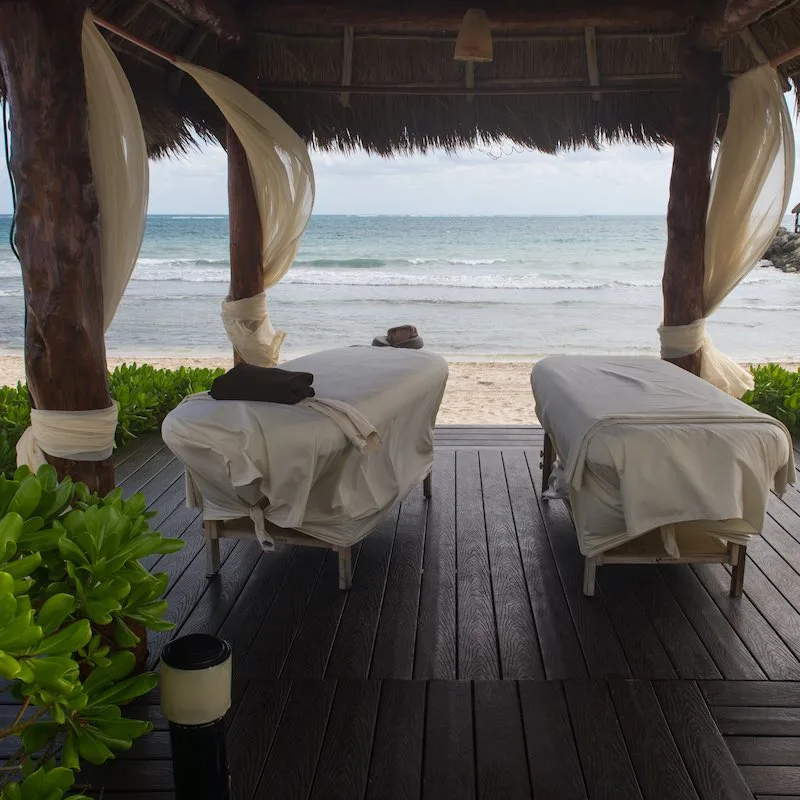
<point>196,679</point>
<point>474,41</point>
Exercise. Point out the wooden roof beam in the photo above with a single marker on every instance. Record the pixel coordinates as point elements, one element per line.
<point>724,19</point>
<point>216,16</point>
<point>503,14</point>
<point>592,64</point>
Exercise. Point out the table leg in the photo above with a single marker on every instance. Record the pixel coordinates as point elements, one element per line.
<point>548,457</point>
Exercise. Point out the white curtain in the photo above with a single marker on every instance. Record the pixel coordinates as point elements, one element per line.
<point>750,189</point>
<point>283,179</point>
<point>121,175</point>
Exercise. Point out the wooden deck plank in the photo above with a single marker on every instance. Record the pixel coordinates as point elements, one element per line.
<point>704,752</point>
<point>765,750</point>
<point>770,651</point>
<point>656,759</point>
<point>254,602</point>
<point>749,721</point>
<point>393,655</point>
<point>477,631</point>
<point>601,647</point>
<point>772,780</point>
<point>344,761</point>
<point>435,655</point>
<point>396,766</point>
<point>780,694</point>
<point>518,643</point>
<point>252,732</point>
<point>560,649</point>
<point>501,759</point>
<point>351,654</point>
<point>607,767</point>
<point>162,459</point>
<point>731,656</point>
<point>686,652</point>
<point>449,759</point>
<point>215,598</point>
<point>643,649</point>
<point>292,762</point>
<point>311,648</point>
<point>137,453</point>
<point>279,626</point>
<point>552,758</point>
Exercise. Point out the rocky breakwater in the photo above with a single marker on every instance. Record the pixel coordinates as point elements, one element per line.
<point>784,252</point>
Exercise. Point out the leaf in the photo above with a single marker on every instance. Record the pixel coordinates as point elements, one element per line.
<point>122,663</point>
<point>124,635</point>
<point>68,640</point>
<point>26,497</point>
<point>54,611</point>
<point>125,690</point>
<point>23,567</point>
<point>10,531</point>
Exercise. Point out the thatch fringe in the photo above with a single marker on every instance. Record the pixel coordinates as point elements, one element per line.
<point>174,110</point>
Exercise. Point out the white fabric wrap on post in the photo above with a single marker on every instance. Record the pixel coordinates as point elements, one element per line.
<point>750,190</point>
<point>283,181</point>
<point>251,333</point>
<point>121,176</point>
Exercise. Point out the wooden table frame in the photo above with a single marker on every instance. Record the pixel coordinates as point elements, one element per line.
<point>243,528</point>
<point>734,554</point>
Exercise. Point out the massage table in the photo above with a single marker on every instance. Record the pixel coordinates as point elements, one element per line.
<point>323,472</point>
<point>656,464</point>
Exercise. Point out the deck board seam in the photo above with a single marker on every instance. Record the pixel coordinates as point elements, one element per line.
<point>522,570</point>
<point>498,649</point>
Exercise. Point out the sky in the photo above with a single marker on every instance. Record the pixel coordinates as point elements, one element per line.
<point>620,179</point>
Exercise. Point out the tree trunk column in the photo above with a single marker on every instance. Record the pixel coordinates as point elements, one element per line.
<point>57,213</point>
<point>689,190</point>
<point>245,224</point>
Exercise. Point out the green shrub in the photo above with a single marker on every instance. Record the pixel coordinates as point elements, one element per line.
<point>777,393</point>
<point>72,591</point>
<point>144,395</point>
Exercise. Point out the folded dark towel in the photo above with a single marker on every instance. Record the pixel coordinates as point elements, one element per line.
<point>265,384</point>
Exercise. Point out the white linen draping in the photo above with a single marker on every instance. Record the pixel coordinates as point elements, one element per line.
<point>750,189</point>
<point>317,476</point>
<point>283,180</point>
<point>121,175</point>
<point>652,445</point>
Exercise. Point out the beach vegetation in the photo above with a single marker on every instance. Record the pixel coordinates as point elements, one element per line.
<point>776,392</point>
<point>75,605</point>
<point>144,396</point>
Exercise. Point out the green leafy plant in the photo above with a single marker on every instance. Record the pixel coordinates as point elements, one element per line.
<point>777,393</point>
<point>144,395</point>
<point>75,605</point>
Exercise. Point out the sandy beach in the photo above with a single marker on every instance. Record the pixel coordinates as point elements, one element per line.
<point>478,392</point>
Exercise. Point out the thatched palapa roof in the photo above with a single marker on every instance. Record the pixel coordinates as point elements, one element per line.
<point>381,75</point>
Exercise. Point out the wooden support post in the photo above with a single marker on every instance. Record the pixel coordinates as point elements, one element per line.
<point>245,224</point>
<point>57,214</point>
<point>689,189</point>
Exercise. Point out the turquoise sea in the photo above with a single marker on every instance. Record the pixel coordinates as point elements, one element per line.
<point>476,287</point>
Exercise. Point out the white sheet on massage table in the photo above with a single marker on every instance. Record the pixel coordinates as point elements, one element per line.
<point>316,480</point>
<point>647,444</point>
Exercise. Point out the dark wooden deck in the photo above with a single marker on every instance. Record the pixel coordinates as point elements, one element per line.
<point>466,662</point>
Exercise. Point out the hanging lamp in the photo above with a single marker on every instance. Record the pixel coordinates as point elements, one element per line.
<point>474,41</point>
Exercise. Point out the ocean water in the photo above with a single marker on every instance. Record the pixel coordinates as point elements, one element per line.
<point>478,287</point>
